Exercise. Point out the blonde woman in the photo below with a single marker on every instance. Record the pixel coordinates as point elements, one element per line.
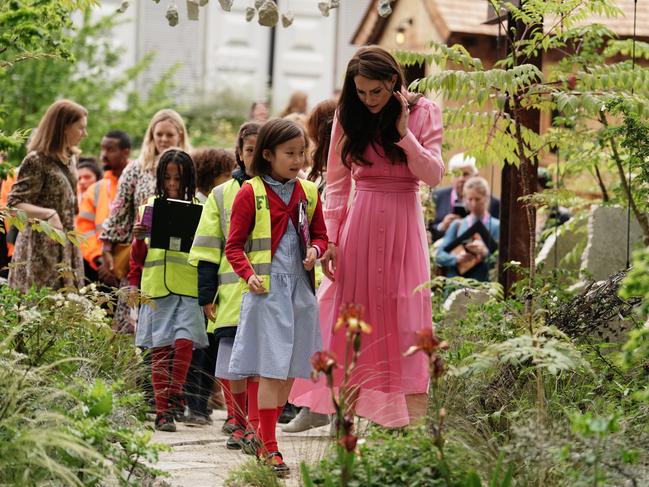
<point>46,188</point>
<point>297,103</point>
<point>475,252</point>
<point>138,181</point>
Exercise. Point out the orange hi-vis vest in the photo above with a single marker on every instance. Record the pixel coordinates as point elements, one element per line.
<point>93,210</point>
<point>5,189</point>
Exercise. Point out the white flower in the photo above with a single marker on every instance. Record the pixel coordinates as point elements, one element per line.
<point>30,315</point>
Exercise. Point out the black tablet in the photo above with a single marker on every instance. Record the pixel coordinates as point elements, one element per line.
<point>174,224</point>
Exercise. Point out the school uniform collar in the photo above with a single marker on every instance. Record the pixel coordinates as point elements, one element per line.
<point>273,182</point>
<point>240,176</point>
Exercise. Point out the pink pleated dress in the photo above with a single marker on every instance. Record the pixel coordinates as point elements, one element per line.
<point>382,257</point>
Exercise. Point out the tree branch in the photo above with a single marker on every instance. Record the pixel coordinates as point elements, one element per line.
<point>642,219</point>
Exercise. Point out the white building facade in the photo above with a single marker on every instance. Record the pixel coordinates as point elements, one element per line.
<point>222,51</point>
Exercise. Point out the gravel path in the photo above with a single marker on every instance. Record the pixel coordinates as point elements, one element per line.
<point>199,457</point>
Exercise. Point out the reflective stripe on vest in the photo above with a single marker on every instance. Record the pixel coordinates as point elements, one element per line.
<point>208,245</point>
<point>95,200</point>
<point>167,272</point>
<point>213,242</point>
<point>209,240</point>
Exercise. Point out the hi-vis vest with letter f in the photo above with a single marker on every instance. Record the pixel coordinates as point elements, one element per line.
<point>209,245</point>
<point>167,272</point>
<point>260,256</point>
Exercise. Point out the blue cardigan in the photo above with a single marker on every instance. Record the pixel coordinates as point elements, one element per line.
<point>449,262</point>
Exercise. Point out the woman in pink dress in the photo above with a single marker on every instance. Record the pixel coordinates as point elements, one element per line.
<point>386,140</point>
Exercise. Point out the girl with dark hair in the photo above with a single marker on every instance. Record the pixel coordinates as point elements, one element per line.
<point>277,232</point>
<point>222,308</point>
<point>89,172</point>
<point>387,140</point>
<point>213,167</point>
<point>172,325</point>
<point>246,139</point>
<point>319,124</point>
<point>318,128</point>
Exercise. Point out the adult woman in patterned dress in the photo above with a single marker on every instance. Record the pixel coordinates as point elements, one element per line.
<point>46,188</point>
<point>386,140</point>
<point>136,185</point>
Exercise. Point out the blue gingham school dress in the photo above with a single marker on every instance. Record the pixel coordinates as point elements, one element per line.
<point>279,331</point>
<point>168,319</point>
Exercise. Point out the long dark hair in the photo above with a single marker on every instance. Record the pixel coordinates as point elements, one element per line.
<point>318,125</point>
<point>273,133</point>
<point>246,130</point>
<point>187,173</point>
<point>361,127</point>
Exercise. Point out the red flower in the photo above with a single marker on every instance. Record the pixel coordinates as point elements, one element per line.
<point>437,367</point>
<point>351,317</point>
<point>349,442</point>
<point>427,342</point>
<point>322,363</point>
<point>572,82</point>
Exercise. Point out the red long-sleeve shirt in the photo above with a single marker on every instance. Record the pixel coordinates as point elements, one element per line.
<point>242,223</point>
<point>139,250</point>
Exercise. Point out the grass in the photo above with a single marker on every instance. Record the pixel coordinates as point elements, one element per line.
<point>254,474</point>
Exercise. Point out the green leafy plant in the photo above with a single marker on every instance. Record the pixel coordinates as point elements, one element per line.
<point>70,407</point>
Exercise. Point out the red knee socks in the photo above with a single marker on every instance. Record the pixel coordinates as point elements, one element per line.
<point>253,404</point>
<point>182,359</point>
<point>240,408</point>
<point>227,395</point>
<point>267,424</point>
<point>160,377</point>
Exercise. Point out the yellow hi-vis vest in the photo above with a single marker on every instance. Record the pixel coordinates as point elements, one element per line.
<point>260,256</point>
<point>209,245</point>
<point>167,272</point>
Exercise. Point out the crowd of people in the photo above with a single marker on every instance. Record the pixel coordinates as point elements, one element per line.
<point>244,309</point>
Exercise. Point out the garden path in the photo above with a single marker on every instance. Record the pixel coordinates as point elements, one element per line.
<point>199,457</point>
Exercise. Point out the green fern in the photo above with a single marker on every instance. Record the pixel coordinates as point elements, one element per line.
<point>548,349</point>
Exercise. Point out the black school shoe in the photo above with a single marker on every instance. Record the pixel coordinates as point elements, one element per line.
<point>235,442</point>
<point>250,444</point>
<point>165,422</point>
<point>229,426</point>
<point>288,413</point>
<point>276,463</point>
<point>197,419</point>
<point>177,407</point>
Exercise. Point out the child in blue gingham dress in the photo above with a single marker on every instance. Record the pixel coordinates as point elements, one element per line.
<point>278,327</point>
<point>278,331</point>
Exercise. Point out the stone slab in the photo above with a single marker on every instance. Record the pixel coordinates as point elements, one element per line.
<point>558,245</point>
<point>458,301</point>
<point>605,252</point>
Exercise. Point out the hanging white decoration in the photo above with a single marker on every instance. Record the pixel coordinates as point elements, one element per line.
<point>268,14</point>
<point>226,5</point>
<point>385,7</point>
<point>324,8</point>
<point>287,19</point>
<point>172,15</point>
<point>192,9</point>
